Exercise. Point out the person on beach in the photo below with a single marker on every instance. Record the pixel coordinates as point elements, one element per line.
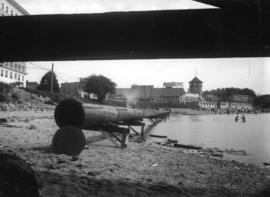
<point>236,118</point>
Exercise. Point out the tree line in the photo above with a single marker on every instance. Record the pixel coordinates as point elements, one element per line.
<point>226,94</point>
<point>96,84</point>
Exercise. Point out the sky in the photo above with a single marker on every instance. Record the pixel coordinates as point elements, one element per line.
<point>251,73</point>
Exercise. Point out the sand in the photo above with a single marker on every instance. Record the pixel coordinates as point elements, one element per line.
<point>142,169</point>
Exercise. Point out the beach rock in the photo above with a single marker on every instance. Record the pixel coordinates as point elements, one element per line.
<point>93,173</point>
<point>74,158</point>
<point>32,127</point>
<point>60,161</point>
<point>3,120</point>
<point>266,163</point>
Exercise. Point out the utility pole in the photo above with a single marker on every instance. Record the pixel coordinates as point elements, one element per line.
<point>52,79</point>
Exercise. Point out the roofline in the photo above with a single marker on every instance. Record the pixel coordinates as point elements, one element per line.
<point>18,6</point>
<point>195,78</point>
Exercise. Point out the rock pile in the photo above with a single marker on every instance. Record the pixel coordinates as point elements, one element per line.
<point>25,107</point>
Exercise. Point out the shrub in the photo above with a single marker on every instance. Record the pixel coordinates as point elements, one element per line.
<point>4,88</point>
<point>5,92</point>
<point>15,96</point>
<point>2,97</point>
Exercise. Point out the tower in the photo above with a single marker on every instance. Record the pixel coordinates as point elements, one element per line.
<point>195,86</point>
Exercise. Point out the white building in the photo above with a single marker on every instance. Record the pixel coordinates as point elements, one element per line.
<point>11,72</point>
<point>190,98</point>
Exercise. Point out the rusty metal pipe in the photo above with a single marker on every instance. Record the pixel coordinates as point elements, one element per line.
<point>70,112</point>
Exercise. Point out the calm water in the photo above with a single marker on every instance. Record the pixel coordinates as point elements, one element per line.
<point>223,132</point>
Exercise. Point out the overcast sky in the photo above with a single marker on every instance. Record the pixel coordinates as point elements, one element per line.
<point>251,73</point>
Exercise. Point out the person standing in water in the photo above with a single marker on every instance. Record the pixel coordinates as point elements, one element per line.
<point>236,118</point>
<point>243,118</point>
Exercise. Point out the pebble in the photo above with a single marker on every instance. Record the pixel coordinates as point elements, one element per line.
<point>93,173</point>
<point>74,158</point>
<point>32,127</point>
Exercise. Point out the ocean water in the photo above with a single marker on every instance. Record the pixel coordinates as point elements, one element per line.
<point>221,131</point>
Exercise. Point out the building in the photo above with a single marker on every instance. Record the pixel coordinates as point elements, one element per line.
<point>31,85</point>
<point>149,94</point>
<point>211,97</point>
<point>76,89</point>
<point>195,86</point>
<point>71,89</point>
<point>190,98</point>
<point>11,8</point>
<point>208,105</point>
<point>241,98</point>
<point>241,102</point>
<point>12,72</point>
<point>167,95</point>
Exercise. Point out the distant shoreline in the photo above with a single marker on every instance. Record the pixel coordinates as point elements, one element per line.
<point>188,111</point>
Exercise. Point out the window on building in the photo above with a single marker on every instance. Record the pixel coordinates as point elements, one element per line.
<point>19,67</point>
<point>11,75</point>
<point>15,76</point>
<point>22,78</point>
<point>7,9</point>
<point>19,77</point>
<point>3,6</point>
<point>6,74</point>
<point>2,73</point>
<point>16,66</point>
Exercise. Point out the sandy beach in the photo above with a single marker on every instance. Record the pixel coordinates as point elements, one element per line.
<point>142,169</point>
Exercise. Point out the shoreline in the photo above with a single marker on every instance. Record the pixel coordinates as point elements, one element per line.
<point>189,111</point>
<point>104,169</point>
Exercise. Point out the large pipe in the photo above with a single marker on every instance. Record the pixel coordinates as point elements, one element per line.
<point>70,112</point>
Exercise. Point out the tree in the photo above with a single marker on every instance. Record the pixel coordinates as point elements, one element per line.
<point>225,94</point>
<point>100,86</point>
<point>262,101</point>
<point>45,83</point>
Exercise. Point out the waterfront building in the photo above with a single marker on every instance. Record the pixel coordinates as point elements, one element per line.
<point>208,105</point>
<point>224,105</point>
<point>195,86</point>
<point>12,72</point>
<point>167,95</point>
<point>211,97</point>
<point>241,98</point>
<point>190,98</point>
<point>149,94</point>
